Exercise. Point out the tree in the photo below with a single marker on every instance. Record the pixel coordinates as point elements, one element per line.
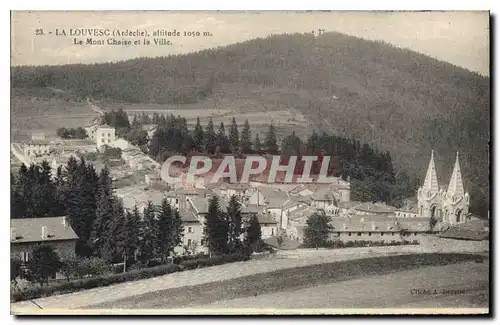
<point>215,230</point>
<point>15,269</point>
<point>234,136</point>
<point>101,226</point>
<point>210,138</point>
<point>235,224</point>
<point>246,138</point>
<point>80,133</point>
<point>270,143</point>
<point>148,233</point>
<point>223,144</point>
<point>43,264</point>
<point>257,145</point>
<point>166,235</point>
<point>132,230</point>
<point>253,235</point>
<point>432,223</point>
<point>317,230</point>
<point>291,145</point>
<point>198,136</point>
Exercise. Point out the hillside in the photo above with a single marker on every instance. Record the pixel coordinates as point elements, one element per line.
<point>396,99</point>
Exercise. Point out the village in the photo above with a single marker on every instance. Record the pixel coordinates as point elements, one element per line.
<point>282,209</point>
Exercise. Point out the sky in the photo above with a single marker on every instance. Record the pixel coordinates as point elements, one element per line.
<point>458,37</point>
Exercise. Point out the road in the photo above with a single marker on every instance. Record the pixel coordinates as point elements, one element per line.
<point>454,286</point>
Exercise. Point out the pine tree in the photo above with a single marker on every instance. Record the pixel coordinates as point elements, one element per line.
<point>246,138</point>
<point>132,226</point>
<point>148,233</point>
<point>235,224</point>
<point>43,264</point>
<point>317,230</point>
<point>164,230</point>
<point>210,138</point>
<point>222,140</point>
<point>215,230</point>
<point>198,136</point>
<point>234,136</point>
<point>116,242</point>
<point>270,143</point>
<point>104,214</point>
<point>257,145</point>
<point>253,235</point>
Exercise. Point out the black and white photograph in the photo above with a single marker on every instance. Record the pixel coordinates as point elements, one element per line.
<point>250,162</point>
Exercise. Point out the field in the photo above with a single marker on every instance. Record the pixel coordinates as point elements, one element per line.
<point>34,115</point>
<point>290,282</point>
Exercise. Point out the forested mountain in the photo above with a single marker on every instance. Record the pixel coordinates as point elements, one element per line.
<point>396,99</point>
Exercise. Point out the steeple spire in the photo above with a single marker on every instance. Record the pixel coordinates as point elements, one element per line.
<point>431,183</point>
<point>456,186</point>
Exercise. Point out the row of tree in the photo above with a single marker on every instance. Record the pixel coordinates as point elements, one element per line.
<point>71,133</point>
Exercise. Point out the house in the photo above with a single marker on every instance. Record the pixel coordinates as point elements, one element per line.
<point>274,202</point>
<point>38,136</point>
<point>474,229</point>
<point>268,226</point>
<point>152,178</point>
<point>193,233</point>
<point>105,135</point>
<point>377,228</point>
<point>27,233</point>
<point>35,148</point>
<point>368,208</point>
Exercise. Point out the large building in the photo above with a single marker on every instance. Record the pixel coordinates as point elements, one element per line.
<point>105,135</point>
<point>27,233</point>
<point>449,206</point>
<point>35,148</point>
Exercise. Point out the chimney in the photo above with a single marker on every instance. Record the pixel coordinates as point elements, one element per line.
<point>64,222</point>
<point>373,225</point>
<point>12,233</point>
<point>345,226</point>
<point>44,232</point>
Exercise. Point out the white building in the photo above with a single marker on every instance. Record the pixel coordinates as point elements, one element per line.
<point>105,135</point>
<point>448,206</point>
<point>36,148</point>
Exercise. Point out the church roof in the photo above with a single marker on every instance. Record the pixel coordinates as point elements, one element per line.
<point>431,182</point>
<point>456,186</point>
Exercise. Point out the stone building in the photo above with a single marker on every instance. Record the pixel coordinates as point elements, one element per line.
<point>105,135</point>
<point>449,206</point>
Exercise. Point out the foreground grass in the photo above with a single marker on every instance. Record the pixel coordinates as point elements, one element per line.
<point>287,279</point>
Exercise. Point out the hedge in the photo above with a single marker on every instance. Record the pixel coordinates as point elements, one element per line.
<point>133,275</point>
<point>214,260</point>
<point>363,243</point>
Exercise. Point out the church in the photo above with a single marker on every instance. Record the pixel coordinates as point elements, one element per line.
<point>447,206</point>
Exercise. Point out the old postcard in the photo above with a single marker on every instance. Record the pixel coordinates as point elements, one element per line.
<point>250,162</point>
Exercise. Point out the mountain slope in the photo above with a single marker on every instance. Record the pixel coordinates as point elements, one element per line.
<point>396,99</point>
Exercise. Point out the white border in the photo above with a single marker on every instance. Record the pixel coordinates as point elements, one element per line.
<point>191,5</point>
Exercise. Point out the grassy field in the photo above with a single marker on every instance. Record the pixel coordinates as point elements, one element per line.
<point>32,115</point>
<point>288,279</point>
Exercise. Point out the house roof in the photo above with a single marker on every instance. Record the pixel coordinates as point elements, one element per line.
<point>470,230</point>
<point>105,126</point>
<point>274,198</point>
<point>30,230</point>
<point>374,208</point>
<point>379,223</point>
<point>38,142</point>
<point>265,219</point>
<point>188,216</point>
<point>347,205</point>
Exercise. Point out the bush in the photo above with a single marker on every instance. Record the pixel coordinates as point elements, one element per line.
<point>89,283</point>
<point>214,260</point>
<point>78,268</point>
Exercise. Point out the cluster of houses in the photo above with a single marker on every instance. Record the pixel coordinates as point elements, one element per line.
<point>282,209</point>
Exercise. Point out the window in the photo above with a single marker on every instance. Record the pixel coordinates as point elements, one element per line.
<point>349,234</point>
<point>109,134</point>
<point>176,201</point>
<point>392,234</point>
<point>381,234</point>
<point>29,152</point>
<point>189,242</point>
<point>190,229</point>
<point>272,232</point>
<point>103,135</point>
<point>24,256</point>
<point>109,140</point>
<point>359,234</point>
<point>415,233</point>
<point>369,234</point>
